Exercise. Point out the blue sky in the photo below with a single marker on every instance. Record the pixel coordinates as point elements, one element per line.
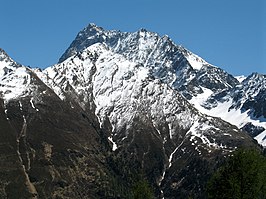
<point>230,34</point>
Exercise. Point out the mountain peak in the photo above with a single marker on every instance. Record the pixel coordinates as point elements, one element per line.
<point>6,60</point>
<point>3,54</point>
<point>143,30</point>
<point>256,76</point>
<point>92,27</point>
<point>1,50</point>
<point>88,36</point>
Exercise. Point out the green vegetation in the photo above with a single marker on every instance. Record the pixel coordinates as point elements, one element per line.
<point>243,176</point>
<point>142,190</point>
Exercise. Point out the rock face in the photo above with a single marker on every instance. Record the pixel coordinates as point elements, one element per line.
<point>116,105</point>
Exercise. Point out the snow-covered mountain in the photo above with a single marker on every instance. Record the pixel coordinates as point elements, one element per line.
<point>131,103</point>
<point>186,72</point>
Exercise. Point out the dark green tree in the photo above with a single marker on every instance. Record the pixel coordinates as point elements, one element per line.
<point>243,176</point>
<point>142,190</point>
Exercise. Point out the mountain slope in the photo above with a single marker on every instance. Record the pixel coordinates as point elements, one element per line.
<point>149,118</point>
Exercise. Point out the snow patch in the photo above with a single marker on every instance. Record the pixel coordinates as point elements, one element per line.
<point>32,105</point>
<point>233,116</point>
<point>171,155</point>
<point>113,143</point>
<point>240,78</point>
<point>197,130</point>
<point>170,131</point>
<point>199,100</point>
<point>195,61</point>
<point>6,114</point>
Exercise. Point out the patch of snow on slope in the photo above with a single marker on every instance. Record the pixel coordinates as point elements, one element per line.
<point>197,130</point>
<point>198,100</point>
<point>240,78</point>
<point>195,61</point>
<point>261,138</point>
<point>6,114</point>
<point>233,116</point>
<point>113,143</point>
<point>171,155</point>
<point>32,104</point>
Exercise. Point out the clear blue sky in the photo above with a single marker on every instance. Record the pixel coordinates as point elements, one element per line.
<point>228,33</point>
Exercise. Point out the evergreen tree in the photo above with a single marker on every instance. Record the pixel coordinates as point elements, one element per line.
<point>142,190</point>
<point>242,176</point>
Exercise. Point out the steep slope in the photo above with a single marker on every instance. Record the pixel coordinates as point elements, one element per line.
<point>49,148</point>
<point>150,120</point>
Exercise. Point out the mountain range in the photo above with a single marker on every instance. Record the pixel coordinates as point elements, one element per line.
<point>119,107</point>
